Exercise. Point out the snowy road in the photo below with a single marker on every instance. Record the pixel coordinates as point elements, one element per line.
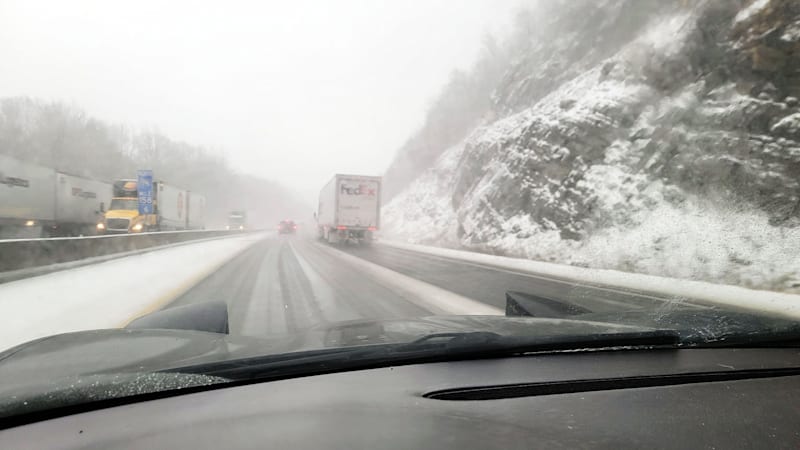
<point>285,284</point>
<point>289,283</point>
<point>274,285</point>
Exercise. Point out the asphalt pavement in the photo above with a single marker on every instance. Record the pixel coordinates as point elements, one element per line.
<point>288,283</point>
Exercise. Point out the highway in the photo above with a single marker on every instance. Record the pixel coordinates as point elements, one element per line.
<point>287,283</point>
<point>275,285</point>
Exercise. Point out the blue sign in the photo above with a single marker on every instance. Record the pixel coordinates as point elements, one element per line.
<point>144,188</point>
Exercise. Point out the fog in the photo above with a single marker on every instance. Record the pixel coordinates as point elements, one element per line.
<point>291,91</point>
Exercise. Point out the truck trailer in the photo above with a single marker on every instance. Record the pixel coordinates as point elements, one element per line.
<point>37,201</point>
<point>349,209</point>
<point>173,209</point>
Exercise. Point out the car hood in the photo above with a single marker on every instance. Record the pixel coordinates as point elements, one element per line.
<point>148,350</point>
<point>89,366</point>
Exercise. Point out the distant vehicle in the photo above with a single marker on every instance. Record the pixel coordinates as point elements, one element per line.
<point>174,209</point>
<point>287,227</point>
<point>349,209</point>
<point>36,201</point>
<point>237,220</point>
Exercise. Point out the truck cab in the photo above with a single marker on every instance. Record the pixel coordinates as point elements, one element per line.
<point>237,220</point>
<point>123,215</point>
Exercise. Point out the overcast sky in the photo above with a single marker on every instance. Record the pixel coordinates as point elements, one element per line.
<point>293,90</point>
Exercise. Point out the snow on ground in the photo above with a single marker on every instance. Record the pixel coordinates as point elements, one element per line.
<point>792,32</point>
<point>788,124</point>
<point>698,240</point>
<point>781,304</point>
<point>426,214</point>
<point>109,294</point>
<point>751,10</point>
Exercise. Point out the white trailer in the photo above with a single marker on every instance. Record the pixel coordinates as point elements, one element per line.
<point>27,203</point>
<point>38,201</point>
<point>349,209</point>
<point>171,207</point>
<point>80,201</point>
<point>196,214</point>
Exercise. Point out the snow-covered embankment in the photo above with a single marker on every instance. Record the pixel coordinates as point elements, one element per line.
<point>109,294</point>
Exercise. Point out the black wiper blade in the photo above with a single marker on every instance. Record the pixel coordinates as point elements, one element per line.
<point>431,348</point>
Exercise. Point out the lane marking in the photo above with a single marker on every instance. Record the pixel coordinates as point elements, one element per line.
<point>705,293</point>
<point>350,301</point>
<point>265,310</point>
<point>556,280</point>
<point>321,289</point>
<point>425,295</point>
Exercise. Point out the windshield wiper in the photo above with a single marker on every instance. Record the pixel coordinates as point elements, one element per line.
<point>432,348</point>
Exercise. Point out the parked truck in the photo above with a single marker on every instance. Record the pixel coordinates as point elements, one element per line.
<point>349,209</point>
<point>173,209</point>
<point>37,201</point>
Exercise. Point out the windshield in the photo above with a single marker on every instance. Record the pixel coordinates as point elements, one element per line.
<point>124,203</point>
<point>321,176</point>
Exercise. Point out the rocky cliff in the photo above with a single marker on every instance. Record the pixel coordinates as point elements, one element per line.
<point>649,136</point>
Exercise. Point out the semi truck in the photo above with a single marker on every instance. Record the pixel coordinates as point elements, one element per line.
<point>349,209</point>
<point>237,220</point>
<point>173,209</point>
<point>37,201</point>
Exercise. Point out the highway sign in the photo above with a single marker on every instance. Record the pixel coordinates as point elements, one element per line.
<point>144,188</point>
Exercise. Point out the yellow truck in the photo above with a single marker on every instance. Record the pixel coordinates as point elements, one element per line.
<point>173,209</point>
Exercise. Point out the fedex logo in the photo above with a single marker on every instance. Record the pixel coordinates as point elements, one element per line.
<point>357,189</point>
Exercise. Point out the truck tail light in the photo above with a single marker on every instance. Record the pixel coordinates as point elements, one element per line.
<point>341,227</point>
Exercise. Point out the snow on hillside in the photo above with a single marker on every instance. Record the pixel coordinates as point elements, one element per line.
<point>751,9</point>
<point>425,213</point>
<point>676,155</point>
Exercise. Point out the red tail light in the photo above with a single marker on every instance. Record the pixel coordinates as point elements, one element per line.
<point>372,228</point>
<point>341,227</point>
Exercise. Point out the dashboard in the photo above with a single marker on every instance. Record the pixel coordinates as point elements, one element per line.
<point>686,398</point>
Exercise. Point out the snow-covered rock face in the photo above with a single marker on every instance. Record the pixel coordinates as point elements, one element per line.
<point>669,146</point>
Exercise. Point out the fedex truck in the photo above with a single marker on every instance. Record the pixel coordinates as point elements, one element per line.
<point>37,201</point>
<point>349,209</point>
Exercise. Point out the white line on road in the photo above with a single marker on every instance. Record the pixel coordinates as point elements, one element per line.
<point>593,287</point>
<point>323,292</point>
<point>710,294</point>
<point>428,296</point>
<point>265,310</point>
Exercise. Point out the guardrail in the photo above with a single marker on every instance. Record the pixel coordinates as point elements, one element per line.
<point>670,289</point>
<point>21,254</point>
